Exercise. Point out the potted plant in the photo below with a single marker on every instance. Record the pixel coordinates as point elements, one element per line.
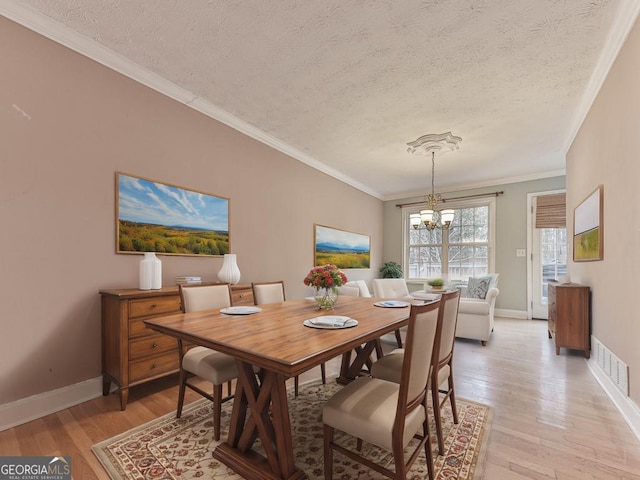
<point>391,270</point>
<point>436,283</point>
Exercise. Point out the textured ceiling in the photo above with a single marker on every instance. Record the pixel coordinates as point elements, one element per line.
<point>350,83</point>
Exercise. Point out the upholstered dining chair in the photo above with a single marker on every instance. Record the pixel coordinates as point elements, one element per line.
<point>392,288</point>
<point>388,414</point>
<point>203,362</point>
<point>389,367</point>
<point>361,285</point>
<point>349,291</point>
<point>268,292</point>
<point>273,292</point>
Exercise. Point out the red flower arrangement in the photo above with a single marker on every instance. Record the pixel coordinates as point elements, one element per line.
<point>327,276</point>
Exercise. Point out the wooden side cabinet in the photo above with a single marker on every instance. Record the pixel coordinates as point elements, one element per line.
<point>569,316</point>
<point>133,354</point>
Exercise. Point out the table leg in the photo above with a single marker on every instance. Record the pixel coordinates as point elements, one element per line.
<point>265,400</point>
<point>350,371</point>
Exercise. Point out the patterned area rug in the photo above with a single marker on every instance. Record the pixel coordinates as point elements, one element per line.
<point>170,448</point>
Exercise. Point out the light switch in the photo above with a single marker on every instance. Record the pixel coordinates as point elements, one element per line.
<point>521,252</point>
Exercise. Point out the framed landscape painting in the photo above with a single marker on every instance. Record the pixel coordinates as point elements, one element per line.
<point>588,228</point>
<point>167,219</point>
<point>341,248</point>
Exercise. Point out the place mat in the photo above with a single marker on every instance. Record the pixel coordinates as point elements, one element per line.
<point>330,322</point>
<point>392,304</point>
<point>240,310</point>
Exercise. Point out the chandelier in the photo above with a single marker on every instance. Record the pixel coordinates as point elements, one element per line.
<point>432,217</point>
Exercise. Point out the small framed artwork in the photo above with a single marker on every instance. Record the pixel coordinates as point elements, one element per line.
<point>163,218</point>
<point>588,228</point>
<point>341,248</point>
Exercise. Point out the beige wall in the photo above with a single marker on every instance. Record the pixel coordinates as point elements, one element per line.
<point>66,125</point>
<point>607,151</point>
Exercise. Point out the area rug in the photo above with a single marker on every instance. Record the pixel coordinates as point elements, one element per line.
<point>180,449</point>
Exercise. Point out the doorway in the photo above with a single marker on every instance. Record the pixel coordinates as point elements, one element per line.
<point>548,248</point>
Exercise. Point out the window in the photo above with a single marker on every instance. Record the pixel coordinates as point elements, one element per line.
<point>553,243</point>
<point>463,251</point>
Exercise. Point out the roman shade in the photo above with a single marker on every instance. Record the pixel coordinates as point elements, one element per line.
<point>551,211</point>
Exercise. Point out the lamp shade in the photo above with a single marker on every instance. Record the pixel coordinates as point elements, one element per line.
<point>415,220</point>
<point>447,216</point>
<point>426,216</point>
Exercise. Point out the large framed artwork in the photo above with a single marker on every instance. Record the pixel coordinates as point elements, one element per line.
<point>588,228</point>
<point>341,248</point>
<point>163,218</point>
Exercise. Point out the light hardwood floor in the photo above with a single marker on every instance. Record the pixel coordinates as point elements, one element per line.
<point>551,420</point>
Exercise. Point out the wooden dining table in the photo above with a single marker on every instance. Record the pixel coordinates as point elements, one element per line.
<point>276,341</point>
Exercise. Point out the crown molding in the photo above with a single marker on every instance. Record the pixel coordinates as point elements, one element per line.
<point>89,48</point>
<point>469,186</point>
<point>626,18</point>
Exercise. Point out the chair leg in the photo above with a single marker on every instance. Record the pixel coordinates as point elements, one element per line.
<point>398,459</point>
<point>181,392</point>
<point>427,444</point>
<point>398,338</point>
<point>328,452</point>
<point>323,372</point>
<point>452,399</point>
<point>435,396</point>
<point>217,410</point>
<point>296,383</point>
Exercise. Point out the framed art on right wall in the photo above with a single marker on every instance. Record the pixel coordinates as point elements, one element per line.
<point>588,228</point>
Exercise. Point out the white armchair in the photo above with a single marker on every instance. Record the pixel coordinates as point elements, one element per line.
<point>475,315</point>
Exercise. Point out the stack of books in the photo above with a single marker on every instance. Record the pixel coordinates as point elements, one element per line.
<point>188,280</point>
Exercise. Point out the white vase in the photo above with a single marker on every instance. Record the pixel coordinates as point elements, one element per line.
<point>229,273</point>
<point>150,272</point>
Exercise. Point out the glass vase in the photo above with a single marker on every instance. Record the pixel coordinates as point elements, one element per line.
<point>326,297</point>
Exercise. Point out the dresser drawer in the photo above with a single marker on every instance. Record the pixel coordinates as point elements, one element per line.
<point>150,345</point>
<point>241,296</point>
<point>146,307</point>
<point>153,366</point>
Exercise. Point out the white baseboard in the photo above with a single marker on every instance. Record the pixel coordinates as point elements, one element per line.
<point>502,312</point>
<point>629,410</point>
<point>30,408</point>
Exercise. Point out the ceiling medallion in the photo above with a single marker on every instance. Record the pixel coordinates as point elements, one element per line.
<point>432,142</point>
<point>432,217</point>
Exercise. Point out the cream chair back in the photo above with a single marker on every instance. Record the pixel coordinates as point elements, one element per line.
<point>450,302</point>
<point>268,292</point>
<point>195,298</point>
<point>390,288</point>
<point>361,285</point>
<point>349,291</point>
<point>416,366</point>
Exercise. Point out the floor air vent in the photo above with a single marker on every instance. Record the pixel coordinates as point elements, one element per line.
<point>612,366</point>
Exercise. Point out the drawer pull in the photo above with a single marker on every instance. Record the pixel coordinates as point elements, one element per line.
<point>153,365</point>
<point>154,305</point>
<point>242,295</point>
<point>155,345</point>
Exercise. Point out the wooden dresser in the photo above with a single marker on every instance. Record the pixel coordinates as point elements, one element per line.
<point>569,316</point>
<point>132,353</point>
